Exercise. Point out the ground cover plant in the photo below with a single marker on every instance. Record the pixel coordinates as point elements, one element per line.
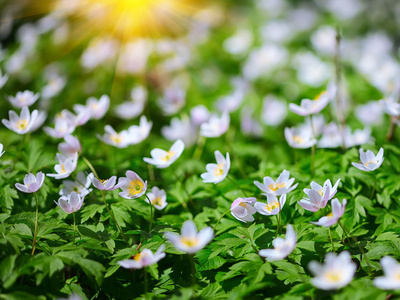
<point>197,150</point>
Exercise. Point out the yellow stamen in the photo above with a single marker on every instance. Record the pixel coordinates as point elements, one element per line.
<point>219,170</point>
<point>168,156</point>
<point>298,139</point>
<point>22,124</point>
<point>330,215</point>
<point>242,204</point>
<point>321,192</point>
<point>318,97</point>
<point>135,187</point>
<point>157,201</point>
<point>270,207</point>
<point>137,256</point>
<point>333,276</point>
<point>190,242</point>
<point>276,186</point>
<point>103,181</point>
<point>63,168</point>
<point>116,138</point>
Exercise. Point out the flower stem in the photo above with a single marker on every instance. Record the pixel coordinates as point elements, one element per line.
<point>237,185</point>
<point>73,214</point>
<point>201,141</point>
<point>90,166</point>
<point>215,226</point>
<point>278,218</point>
<point>330,235</point>
<point>151,213</point>
<point>374,189</point>
<point>112,216</point>
<point>193,269</point>
<point>36,225</point>
<point>313,146</point>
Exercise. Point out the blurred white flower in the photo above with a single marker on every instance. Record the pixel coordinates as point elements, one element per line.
<point>217,172</point>
<point>311,70</point>
<point>190,240</point>
<point>143,259</point>
<point>334,216</point>
<point>337,272</point>
<point>97,108</point>
<point>324,40</point>
<point>343,9</point>
<point>53,87</point>
<point>390,106</point>
<point>230,102</point>
<point>274,111</point>
<point>249,125</point>
<point>240,42</point>
<point>215,126</point>
<point>273,205</point>
<point>391,271</point>
<point>134,107</point>
<point>70,146</point>
<point>243,209</point>
<point>23,123</point>
<point>277,31</point>
<point>32,183</point>
<point>369,162</point>
<point>99,52</point>
<point>297,138</point>
<point>80,185</point>
<point>1,150</point>
<point>3,78</point>
<point>199,114</point>
<point>133,57</point>
<point>158,198</point>
<point>163,159</point>
<point>26,98</point>
<point>282,247</point>
<point>318,196</point>
<point>369,113</point>
<point>359,137</point>
<point>331,136</point>
<point>181,129</point>
<point>63,127</point>
<point>282,185</point>
<point>113,138</point>
<point>173,100</point>
<point>41,117</point>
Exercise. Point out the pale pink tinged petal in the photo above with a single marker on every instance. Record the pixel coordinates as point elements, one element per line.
<point>149,161</point>
<point>33,187</point>
<point>308,206</point>
<point>131,175</point>
<point>250,209</point>
<point>315,198</point>
<point>336,207</point>
<point>363,155</point>
<point>267,181</point>
<point>130,264</point>
<point>290,234</point>
<point>65,206</point>
<point>239,212</point>
<point>282,200</point>
<point>29,179</point>
<point>284,176</point>
<point>97,184</point>
<point>74,200</point>
<point>359,166</point>
<point>261,186</point>
<point>121,182</point>
<point>125,195</point>
<point>292,188</point>
<point>385,283</point>
<point>25,113</point>
<point>188,229</point>
<point>40,178</point>
<point>205,236</point>
<point>379,156</point>
<point>219,157</point>
<point>267,253</point>
<point>327,196</point>
<point>250,200</point>
<point>7,124</point>
<point>278,242</point>
<point>13,116</point>
<point>315,186</point>
<point>110,182</point>
<point>289,182</point>
<point>173,237</point>
<point>297,109</point>
<point>21,188</point>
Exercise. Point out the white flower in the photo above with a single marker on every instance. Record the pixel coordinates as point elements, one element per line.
<point>26,98</point>
<point>77,120</point>
<point>391,271</point>
<point>243,210</point>
<point>162,159</point>
<point>240,42</point>
<point>70,146</point>
<point>65,166</point>
<point>173,100</point>
<point>359,137</point>
<point>282,247</point>
<point>324,40</point>
<point>318,196</point>
<point>331,136</point>
<point>337,272</point>
<point>53,87</point>
<point>111,137</point>
<point>273,205</point>
<point>199,114</point>
<point>249,125</point>
<point>282,185</point>
<point>190,240</point>
<point>143,259</point>
<point>370,113</point>
<point>63,127</point>
<point>181,129</point>
<point>230,103</point>
<point>297,138</point>
<point>70,203</point>
<point>158,198</point>
<point>308,107</point>
<point>133,186</point>
<point>80,185</point>
<point>390,106</point>
<point>369,162</point>
<point>1,150</point>
<point>134,107</point>
<point>23,123</point>
<point>138,134</point>
<point>3,79</point>
<point>108,184</point>
<point>274,111</point>
<point>97,108</point>
<point>32,183</point>
<point>334,216</point>
<point>41,117</point>
<point>217,172</point>
<point>215,126</point>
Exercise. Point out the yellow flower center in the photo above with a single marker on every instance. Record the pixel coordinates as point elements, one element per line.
<point>367,163</point>
<point>298,139</point>
<point>270,207</point>
<point>22,124</point>
<point>321,192</point>
<point>330,215</point>
<point>242,204</point>
<point>219,170</point>
<point>318,97</point>
<point>168,156</point>
<point>137,256</point>
<point>190,242</point>
<point>103,181</point>
<point>276,186</point>
<point>333,276</point>
<point>135,187</point>
<point>63,169</point>
<point>116,138</point>
<point>157,201</point>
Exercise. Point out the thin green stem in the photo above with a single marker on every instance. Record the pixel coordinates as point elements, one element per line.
<point>374,188</point>
<point>215,226</point>
<point>36,225</point>
<point>237,185</point>
<point>330,235</point>
<point>278,218</point>
<point>312,147</point>
<point>90,166</point>
<point>151,213</point>
<point>201,141</point>
<point>73,214</point>
<point>193,269</point>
